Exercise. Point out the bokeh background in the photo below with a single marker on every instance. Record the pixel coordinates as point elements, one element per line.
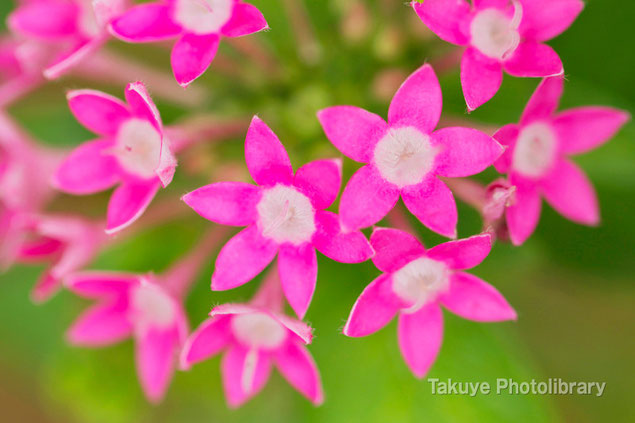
<point>571,285</point>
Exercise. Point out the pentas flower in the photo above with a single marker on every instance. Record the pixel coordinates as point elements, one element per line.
<point>416,283</point>
<point>198,25</point>
<point>285,215</point>
<point>536,159</point>
<point>405,156</point>
<point>253,337</point>
<point>500,35</point>
<point>130,152</point>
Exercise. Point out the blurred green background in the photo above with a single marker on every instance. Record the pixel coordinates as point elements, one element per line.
<point>571,285</point>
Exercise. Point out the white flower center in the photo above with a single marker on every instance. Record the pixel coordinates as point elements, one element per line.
<point>494,34</point>
<point>152,306</point>
<point>404,156</point>
<point>535,150</point>
<point>258,330</point>
<point>419,281</point>
<point>286,215</point>
<point>138,148</point>
<point>203,16</point>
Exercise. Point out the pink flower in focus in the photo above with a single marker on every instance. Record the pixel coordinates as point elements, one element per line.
<point>131,152</point>
<point>198,25</point>
<point>500,35</point>
<point>415,284</point>
<point>285,215</point>
<point>405,156</point>
<point>536,158</point>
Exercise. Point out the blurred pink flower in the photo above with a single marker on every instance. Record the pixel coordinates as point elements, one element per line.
<point>285,215</point>
<point>405,156</point>
<point>131,152</point>
<point>198,25</point>
<point>536,158</point>
<point>415,284</point>
<point>500,35</point>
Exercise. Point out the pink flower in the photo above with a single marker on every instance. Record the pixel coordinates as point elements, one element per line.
<point>415,284</point>
<point>199,25</point>
<point>500,35</point>
<point>284,215</point>
<point>405,156</point>
<point>137,306</point>
<point>536,158</point>
<point>131,152</point>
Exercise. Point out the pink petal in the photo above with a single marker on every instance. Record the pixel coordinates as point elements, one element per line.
<point>46,286</point>
<point>394,248</point>
<point>570,193</point>
<point>40,249</point>
<point>585,128</point>
<point>192,55</point>
<point>266,158</point>
<point>141,105</point>
<point>88,169</point>
<point>544,101</point>
<point>352,130</point>
<point>374,308</point>
<point>448,19</point>
<point>100,284</point>
<point>420,335</point>
<point>209,339</point>
<point>481,77</point>
<point>73,57</point>
<point>433,204</point>
<point>98,112</point>
<point>155,353</point>
<point>463,253</point>
<point>522,216</point>
<point>506,136</point>
<point>242,258</point>
<point>246,19</point>
<point>244,374</point>
<point>167,164</point>
<point>145,23</point>
<point>545,19</point>
<point>103,324</point>
<point>532,59</point>
<point>333,242</point>
<point>128,202</point>
<point>44,19</point>
<point>475,299</point>
<point>320,180</point>
<point>297,267</point>
<point>298,367</point>
<point>417,102</point>
<point>303,331</point>
<point>366,199</point>
<point>227,203</point>
<point>484,4</point>
<point>464,151</point>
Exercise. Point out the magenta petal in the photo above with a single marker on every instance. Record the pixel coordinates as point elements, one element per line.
<point>320,180</point>
<point>448,19</point>
<point>374,308</point>
<point>585,128</point>
<point>463,253</point>
<point>345,247</point>
<point>244,374</point>
<point>420,336</point>
<point>481,77</point>
<point>227,203</point>
<point>207,340</point>
<point>100,284</point>
<point>544,101</point>
<point>297,267</point>
<point>506,136</point>
<point>65,62</point>
<point>242,258</point>
<point>44,19</point>
<point>417,102</point>
<point>352,130</point>
<point>155,353</point>
<point>141,105</point>
<point>464,151</point>
<point>522,216</point>
<point>267,160</point>
<point>192,55</point>
<point>484,4</point>
<point>298,367</point>
<point>533,59</point>
<point>103,324</point>
<point>98,112</point>
<point>545,19</point>
<point>366,199</point>
<point>46,286</point>
<point>246,19</point>
<point>433,204</point>
<point>394,248</point>
<point>145,23</point>
<point>570,193</point>
<point>88,169</point>
<point>128,202</point>
<point>475,299</point>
